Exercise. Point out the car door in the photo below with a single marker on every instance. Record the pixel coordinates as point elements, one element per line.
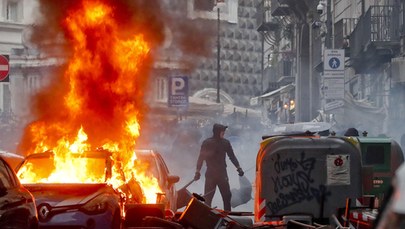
<point>17,208</point>
<point>169,188</point>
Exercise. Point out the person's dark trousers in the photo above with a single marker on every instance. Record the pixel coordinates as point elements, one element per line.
<point>211,182</point>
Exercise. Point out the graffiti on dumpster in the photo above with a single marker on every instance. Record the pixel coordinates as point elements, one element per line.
<point>293,183</point>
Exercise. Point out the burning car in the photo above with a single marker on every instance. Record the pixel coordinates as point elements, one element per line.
<point>98,99</point>
<point>90,204</point>
<point>96,190</point>
<point>17,205</point>
<point>158,168</point>
<point>162,202</point>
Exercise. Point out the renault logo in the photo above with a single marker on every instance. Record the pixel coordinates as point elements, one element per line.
<point>43,212</point>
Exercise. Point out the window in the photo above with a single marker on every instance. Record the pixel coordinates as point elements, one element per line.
<point>161,88</point>
<point>13,178</point>
<point>43,167</point>
<point>402,18</point>
<point>147,164</point>
<point>206,5</point>
<point>12,11</point>
<point>5,181</point>
<point>207,9</point>
<point>6,98</point>
<point>287,66</point>
<point>374,155</point>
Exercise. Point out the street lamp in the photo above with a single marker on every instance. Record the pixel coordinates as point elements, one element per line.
<point>323,9</point>
<point>219,4</point>
<point>320,8</point>
<point>218,55</point>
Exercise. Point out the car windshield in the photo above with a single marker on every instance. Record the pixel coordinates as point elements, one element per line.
<point>75,170</point>
<point>147,163</point>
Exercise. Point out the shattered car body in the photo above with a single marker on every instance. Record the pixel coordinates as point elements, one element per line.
<point>84,205</point>
<point>96,203</point>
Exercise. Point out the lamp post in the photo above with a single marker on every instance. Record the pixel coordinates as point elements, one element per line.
<point>311,78</point>
<point>316,22</point>
<point>218,56</point>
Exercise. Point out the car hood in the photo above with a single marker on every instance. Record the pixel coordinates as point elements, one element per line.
<point>62,195</point>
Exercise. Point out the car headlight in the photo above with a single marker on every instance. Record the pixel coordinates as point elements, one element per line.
<point>97,205</point>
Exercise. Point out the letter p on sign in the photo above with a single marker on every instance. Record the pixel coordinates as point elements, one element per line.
<point>178,85</point>
<point>178,91</point>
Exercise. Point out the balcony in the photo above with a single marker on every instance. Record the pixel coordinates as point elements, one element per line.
<point>297,4</point>
<point>279,9</point>
<point>265,20</point>
<point>299,8</point>
<point>375,39</point>
<point>342,30</point>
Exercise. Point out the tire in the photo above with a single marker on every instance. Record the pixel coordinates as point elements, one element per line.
<point>34,224</point>
<point>116,222</point>
<point>11,222</point>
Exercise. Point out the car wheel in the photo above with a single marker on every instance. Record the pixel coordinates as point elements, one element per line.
<point>116,223</point>
<point>34,224</point>
<point>16,221</point>
<point>26,222</point>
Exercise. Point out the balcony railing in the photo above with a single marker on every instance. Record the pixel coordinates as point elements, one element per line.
<point>265,20</point>
<point>279,9</point>
<point>378,28</point>
<point>343,28</point>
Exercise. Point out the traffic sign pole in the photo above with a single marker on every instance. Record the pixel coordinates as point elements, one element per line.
<point>333,79</point>
<point>4,68</point>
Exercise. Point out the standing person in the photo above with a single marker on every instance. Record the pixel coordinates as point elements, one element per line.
<point>213,151</point>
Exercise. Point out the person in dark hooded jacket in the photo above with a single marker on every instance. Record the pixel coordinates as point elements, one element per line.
<point>213,151</point>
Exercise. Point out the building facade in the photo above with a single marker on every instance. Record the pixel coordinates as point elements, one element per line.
<point>240,51</point>
<point>15,15</point>
<point>371,34</point>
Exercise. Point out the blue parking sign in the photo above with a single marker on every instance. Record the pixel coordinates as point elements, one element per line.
<point>178,91</point>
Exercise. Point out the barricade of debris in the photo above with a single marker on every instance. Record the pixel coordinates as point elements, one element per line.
<point>196,215</point>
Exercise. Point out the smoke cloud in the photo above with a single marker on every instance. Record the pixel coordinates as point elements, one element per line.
<point>54,35</point>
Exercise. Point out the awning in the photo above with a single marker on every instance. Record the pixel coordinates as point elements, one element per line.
<point>255,100</point>
<point>230,109</point>
<point>199,108</point>
<point>196,106</point>
<point>281,89</point>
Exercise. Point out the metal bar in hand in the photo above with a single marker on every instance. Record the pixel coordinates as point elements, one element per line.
<point>347,211</point>
<point>188,184</point>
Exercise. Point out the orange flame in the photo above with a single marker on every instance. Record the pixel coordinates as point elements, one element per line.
<point>101,105</point>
